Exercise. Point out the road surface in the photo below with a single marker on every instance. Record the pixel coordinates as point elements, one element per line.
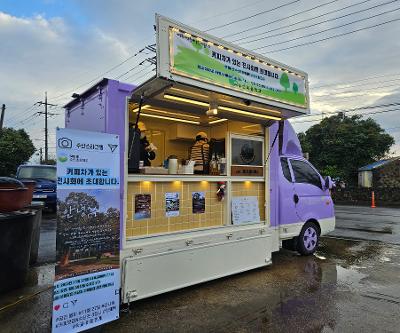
<point>350,285</point>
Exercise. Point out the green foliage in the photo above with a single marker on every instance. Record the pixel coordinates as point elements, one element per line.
<point>197,45</point>
<point>79,216</point>
<point>284,81</point>
<point>295,87</point>
<point>15,148</point>
<point>339,146</point>
<point>206,51</point>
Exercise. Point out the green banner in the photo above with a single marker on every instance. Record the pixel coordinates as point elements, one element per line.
<point>195,58</point>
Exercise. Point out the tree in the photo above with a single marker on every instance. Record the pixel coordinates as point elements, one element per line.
<point>339,145</point>
<point>16,148</point>
<point>284,81</point>
<point>295,87</point>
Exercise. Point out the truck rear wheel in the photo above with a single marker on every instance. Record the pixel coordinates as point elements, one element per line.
<point>308,239</point>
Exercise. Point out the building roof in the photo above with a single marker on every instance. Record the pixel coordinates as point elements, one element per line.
<point>377,164</point>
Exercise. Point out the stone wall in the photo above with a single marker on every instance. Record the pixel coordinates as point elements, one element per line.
<point>384,197</point>
<point>387,175</point>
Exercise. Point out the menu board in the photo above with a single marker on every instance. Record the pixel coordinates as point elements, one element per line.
<point>245,210</point>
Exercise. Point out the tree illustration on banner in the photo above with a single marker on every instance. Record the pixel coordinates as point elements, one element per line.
<point>295,87</point>
<point>197,45</point>
<point>284,81</point>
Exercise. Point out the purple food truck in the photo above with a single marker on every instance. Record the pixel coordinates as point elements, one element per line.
<point>213,178</point>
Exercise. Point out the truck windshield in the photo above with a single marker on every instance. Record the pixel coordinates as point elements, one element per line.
<point>37,172</point>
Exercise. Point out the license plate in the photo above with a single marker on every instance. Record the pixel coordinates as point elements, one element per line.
<point>39,196</point>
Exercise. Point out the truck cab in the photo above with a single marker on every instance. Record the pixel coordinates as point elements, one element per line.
<point>305,205</point>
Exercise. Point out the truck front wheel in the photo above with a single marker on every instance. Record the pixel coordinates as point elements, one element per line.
<point>308,239</point>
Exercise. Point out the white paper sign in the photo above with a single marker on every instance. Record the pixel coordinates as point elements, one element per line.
<point>245,210</point>
<point>86,301</point>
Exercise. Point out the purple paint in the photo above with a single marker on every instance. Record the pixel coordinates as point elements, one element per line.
<point>102,108</point>
<point>313,202</point>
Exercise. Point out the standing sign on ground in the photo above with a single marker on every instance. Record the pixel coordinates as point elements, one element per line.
<point>87,281</point>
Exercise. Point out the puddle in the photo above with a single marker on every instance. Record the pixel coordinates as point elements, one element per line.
<point>349,276</point>
<point>40,276</point>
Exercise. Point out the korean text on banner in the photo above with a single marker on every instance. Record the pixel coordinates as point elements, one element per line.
<point>194,57</point>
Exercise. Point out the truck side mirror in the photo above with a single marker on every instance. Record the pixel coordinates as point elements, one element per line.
<point>329,183</point>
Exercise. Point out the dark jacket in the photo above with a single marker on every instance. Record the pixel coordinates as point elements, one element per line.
<point>146,156</point>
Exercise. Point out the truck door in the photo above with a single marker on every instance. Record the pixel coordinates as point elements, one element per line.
<point>287,207</point>
<point>312,200</point>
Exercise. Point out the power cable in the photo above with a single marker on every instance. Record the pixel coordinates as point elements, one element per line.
<point>350,110</point>
<point>329,29</point>
<point>252,16</point>
<point>288,17</point>
<point>361,93</point>
<point>101,75</point>
<point>355,81</point>
<point>333,113</point>
<point>319,23</point>
<point>334,36</point>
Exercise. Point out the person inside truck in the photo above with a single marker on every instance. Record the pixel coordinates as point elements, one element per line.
<point>147,149</point>
<point>200,153</point>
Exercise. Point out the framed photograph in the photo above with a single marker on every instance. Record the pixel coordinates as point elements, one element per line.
<point>171,204</point>
<point>142,206</point>
<point>198,202</point>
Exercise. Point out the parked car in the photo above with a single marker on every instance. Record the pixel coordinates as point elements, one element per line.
<point>45,178</point>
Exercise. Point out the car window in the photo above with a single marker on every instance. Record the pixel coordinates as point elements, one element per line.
<point>304,173</point>
<point>31,172</point>
<point>285,169</point>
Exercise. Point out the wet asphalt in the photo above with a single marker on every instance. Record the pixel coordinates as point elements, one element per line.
<point>352,284</point>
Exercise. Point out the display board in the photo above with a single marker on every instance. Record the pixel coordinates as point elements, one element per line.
<point>245,210</point>
<point>186,54</point>
<point>87,279</point>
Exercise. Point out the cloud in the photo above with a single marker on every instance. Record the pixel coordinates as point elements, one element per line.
<point>57,54</point>
<point>40,54</point>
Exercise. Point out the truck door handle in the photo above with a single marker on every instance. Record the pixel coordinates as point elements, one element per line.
<point>296,198</point>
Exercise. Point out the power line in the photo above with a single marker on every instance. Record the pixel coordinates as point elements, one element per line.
<point>356,91</point>
<point>318,23</point>
<point>143,75</point>
<point>227,12</point>
<point>329,29</point>
<point>285,18</point>
<point>334,36</point>
<point>252,16</point>
<point>350,110</point>
<point>101,75</point>
<point>338,112</point>
<point>359,80</point>
<point>358,85</point>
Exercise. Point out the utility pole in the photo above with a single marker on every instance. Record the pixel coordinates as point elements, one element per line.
<point>46,114</point>
<point>3,110</point>
<point>41,155</point>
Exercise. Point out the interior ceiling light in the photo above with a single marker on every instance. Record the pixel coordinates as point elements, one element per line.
<point>252,107</point>
<point>144,107</point>
<point>247,113</point>
<point>185,100</point>
<point>217,121</point>
<point>172,113</point>
<point>188,92</point>
<point>170,118</point>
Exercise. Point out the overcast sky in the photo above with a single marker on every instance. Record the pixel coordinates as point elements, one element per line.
<point>58,46</point>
